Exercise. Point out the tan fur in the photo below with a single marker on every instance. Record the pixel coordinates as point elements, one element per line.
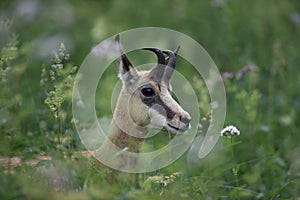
<point>134,114</point>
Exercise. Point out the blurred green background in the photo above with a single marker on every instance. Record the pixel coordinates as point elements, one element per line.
<point>262,163</point>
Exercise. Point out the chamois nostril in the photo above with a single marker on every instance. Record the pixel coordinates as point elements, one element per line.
<point>185,120</point>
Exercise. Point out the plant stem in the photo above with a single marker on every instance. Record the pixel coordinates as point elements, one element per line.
<point>57,121</point>
<point>237,183</point>
<point>235,170</point>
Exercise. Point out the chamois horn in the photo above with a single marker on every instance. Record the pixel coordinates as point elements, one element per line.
<point>160,56</point>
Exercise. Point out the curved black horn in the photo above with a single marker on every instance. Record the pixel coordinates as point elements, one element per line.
<point>172,58</point>
<point>170,65</point>
<point>176,50</point>
<point>159,54</point>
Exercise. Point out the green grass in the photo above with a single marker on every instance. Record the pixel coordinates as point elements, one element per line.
<point>262,163</point>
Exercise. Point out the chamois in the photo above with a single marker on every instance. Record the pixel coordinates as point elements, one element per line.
<point>145,102</point>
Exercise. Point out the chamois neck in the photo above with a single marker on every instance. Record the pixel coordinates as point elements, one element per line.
<point>124,130</point>
<point>123,139</point>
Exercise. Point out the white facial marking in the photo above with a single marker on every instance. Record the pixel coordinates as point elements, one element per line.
<point>158,120</point>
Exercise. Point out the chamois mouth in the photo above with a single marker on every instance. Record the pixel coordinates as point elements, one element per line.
<point>178,130</point>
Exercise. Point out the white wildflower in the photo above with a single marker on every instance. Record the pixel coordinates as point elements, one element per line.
<point>230,131</point>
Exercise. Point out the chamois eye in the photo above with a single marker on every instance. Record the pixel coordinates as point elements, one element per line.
<point>148,92</point>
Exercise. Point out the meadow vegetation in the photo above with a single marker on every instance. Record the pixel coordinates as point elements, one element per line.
<point>255,45</point>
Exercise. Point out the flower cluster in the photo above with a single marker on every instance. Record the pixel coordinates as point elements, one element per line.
<point>163,180</point>
<point>241,73</point>
<point>230,131</point>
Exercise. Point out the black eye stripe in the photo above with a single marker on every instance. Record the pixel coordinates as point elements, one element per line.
<point>150,98</point>
<point>157,100</point>
<point>170,113</point>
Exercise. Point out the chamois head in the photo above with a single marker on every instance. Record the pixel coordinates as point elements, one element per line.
<point>145,99</point>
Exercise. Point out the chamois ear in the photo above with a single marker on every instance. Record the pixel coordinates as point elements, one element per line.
<point>126,69</point>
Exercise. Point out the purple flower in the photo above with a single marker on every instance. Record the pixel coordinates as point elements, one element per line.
<point>295,18</point>
<point>227,75</point>
<point>244,70</point>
